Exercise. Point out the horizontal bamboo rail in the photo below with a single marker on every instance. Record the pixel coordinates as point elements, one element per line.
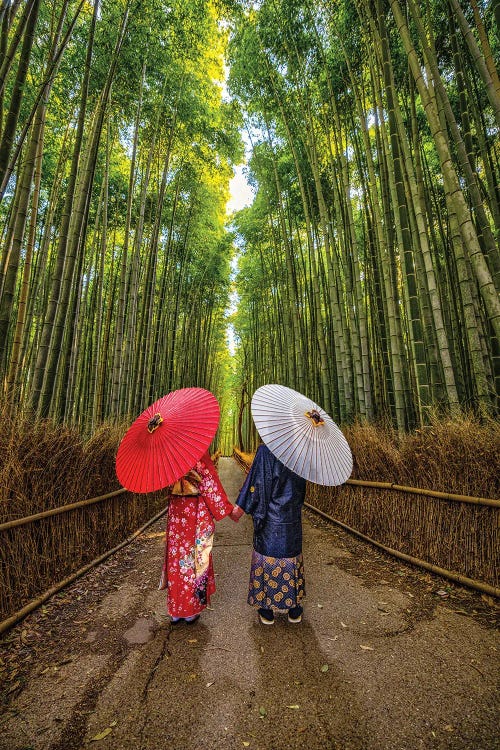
<point>463,580</point>
<point>35,603</point>
<point>429,493</point>
<point>57,511</point>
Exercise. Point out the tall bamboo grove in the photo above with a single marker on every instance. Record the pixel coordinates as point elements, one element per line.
<point>369,263</point>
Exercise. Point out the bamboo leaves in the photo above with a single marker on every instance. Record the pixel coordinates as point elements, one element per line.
<point>118,261</point>
<point>390,250</point>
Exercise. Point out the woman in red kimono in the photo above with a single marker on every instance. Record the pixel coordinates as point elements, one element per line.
<point>196,502</point>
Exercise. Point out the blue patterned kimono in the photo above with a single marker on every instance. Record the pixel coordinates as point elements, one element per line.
<point>273,495</point>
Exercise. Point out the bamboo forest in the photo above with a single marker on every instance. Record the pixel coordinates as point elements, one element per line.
<point>365,271</point>
<point>249,305</point>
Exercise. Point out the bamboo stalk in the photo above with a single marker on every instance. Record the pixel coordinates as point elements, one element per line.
<point>456,577</point>
<point>57,511</point>
<point>35,603</point>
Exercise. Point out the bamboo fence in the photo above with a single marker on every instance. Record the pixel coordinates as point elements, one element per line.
<point>35,603</point>
<point>40,553</point>
<point>45,548</point>
<point>455,536</point>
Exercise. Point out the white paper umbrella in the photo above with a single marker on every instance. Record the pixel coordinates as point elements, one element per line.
<point>301,435</point>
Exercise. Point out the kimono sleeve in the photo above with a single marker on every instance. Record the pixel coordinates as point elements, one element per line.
<point>212,490</point>
<point>255,493</point>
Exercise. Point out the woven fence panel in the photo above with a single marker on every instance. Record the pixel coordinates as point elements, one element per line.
<point>35,556</point>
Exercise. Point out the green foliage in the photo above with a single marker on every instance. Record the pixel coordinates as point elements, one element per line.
<point>165,275</point>
<point>355,236</point>
<point>323,260</point>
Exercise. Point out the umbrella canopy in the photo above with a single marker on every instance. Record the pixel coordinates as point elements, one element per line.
<point>167,439</point>
<point>301,435</point>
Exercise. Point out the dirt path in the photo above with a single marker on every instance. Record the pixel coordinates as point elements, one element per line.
<point>379,662</point>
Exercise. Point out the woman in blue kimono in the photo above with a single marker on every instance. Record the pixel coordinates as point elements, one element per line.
<point>273,495</point>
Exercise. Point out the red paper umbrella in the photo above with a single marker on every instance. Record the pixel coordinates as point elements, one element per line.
<point>167,440</point>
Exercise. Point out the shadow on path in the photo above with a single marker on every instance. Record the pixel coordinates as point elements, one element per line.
<point>301,698</point>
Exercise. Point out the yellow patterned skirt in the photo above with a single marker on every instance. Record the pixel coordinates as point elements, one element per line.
<point>276,583</point>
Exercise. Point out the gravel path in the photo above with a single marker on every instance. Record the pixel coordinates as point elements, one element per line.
<point>381,661</point>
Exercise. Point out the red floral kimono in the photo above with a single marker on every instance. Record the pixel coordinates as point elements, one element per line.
<point>188,574</point>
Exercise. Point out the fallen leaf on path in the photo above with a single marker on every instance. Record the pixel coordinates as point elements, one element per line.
<point>209,684</point>
<point>293,707</point>
<point>262,712</point>
<point>193,640</point>
<point>343,624</point>
<point>101,735</point>
<point>367,648</point>
<point>325,668</point>
<point>246,744</point>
